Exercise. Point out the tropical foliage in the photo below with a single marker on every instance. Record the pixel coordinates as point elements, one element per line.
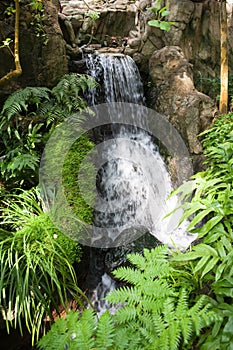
<point>37,272</point>
<point>211,205</point>
<point>155,312</point>
<point>26,121</point>
<point>174,300</point>
<point>36,268</point>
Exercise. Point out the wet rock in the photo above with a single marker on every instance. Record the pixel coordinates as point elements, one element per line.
<point>134,42</point>
<point>187,109</point>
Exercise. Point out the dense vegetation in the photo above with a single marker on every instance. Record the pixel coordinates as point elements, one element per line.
<point>173,300</point>
<point>37,272</point>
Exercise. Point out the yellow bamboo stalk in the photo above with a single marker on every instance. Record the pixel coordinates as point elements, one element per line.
<point>18,70</point>
<point>223,104</point>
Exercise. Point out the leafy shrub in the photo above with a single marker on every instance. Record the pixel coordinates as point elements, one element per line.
<point>211,205</point>
<point>155,312</point>
<point>26,121</point>
<point>36,270</point>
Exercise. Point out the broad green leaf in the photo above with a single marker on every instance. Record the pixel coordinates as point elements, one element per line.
<point>154,23</point>
<point>165,13</point>
<point>201,263</point>
<point>165,26</point>
<point>211,264</point>
<point>204,249</point>
<point>199,217</point>
<point>209,225</point>
<point>219,271</point>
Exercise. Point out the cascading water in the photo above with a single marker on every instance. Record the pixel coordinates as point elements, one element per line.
<point>133,181</point>
<point>119,79</point>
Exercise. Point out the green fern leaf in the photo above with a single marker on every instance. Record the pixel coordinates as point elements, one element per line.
<point>124,294</point>
<point>51,341</point>
<point>19,100</point>
<point>126,314</point>
<point>81,333</point>
<point>130,275</point>
<point>105,334</point>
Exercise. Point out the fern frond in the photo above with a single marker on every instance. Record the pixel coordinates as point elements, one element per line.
<point>122,339</point>
<point>169,310</point>
<point>153,263</point>
<point>125,294</point>
<point>19,100</point>
<point>51,340</point>
<point>158,324</point>
<point>81,333</point>
<point>129,275</point>
<point>158,289</point>
<point>174,335</point>
<point>105,334</point>
<point>126,314</point>
<point>152,305</point>
<point>186,326</point>
<point>163,341</point>
<point>72,85</point>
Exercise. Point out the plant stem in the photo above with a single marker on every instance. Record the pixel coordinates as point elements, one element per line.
<point>18,70</point>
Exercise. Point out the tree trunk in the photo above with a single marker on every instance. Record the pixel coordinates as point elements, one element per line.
<point>223,105</point>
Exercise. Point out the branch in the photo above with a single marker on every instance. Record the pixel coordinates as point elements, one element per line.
<point>18,69</point>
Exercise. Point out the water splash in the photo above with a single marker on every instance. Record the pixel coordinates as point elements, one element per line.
<point>133,182</point>
<point>119,79</point>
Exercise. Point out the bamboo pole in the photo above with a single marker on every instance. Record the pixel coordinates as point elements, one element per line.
<point>223,104</point>
<point>18,70</point>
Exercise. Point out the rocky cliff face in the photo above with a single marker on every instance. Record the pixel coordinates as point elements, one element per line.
<point>196,29</point>
<point>190,111</point>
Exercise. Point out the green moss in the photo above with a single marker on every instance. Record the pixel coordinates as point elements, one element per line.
<point>76,183</point>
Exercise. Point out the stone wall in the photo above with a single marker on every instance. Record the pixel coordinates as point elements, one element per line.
<point>196,29</point>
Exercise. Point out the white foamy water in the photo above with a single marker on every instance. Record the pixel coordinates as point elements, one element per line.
<point>133,181</point>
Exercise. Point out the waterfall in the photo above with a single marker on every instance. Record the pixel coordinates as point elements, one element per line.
<point>123,178</point>
<point>133,182</point>
<point>119,77</point>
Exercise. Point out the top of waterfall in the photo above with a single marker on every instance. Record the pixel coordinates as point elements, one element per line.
<point>72,7</point>
<point>119,76</point>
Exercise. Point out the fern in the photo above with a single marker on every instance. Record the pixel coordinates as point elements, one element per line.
<point>18,102</point>
<point>68,91</point>
<point>28,118</point>
<point>153,313</point>
<point>105,332</point>
<point>160,311</point>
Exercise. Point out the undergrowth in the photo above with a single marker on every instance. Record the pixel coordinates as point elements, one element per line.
<point>173,300</point>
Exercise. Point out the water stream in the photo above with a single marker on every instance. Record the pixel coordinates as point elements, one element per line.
<point>133,181</point>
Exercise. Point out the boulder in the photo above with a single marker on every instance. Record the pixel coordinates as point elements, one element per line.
<point>190,111</point>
